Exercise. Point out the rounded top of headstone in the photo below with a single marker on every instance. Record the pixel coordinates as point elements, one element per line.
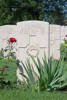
<point>33,21</point>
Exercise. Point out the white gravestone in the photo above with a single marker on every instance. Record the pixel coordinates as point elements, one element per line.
<point>55,36</point>
<point>32,39</point>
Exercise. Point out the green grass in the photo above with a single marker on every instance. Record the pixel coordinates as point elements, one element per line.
<point>20,94</point>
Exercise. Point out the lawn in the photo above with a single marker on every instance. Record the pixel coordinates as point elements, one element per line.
<point>20,94</point>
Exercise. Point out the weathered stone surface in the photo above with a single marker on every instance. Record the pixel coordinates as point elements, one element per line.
<point>21,54</point>
<point>32,33</point>
<point>24,27</point>
<point>41,40</point>
<point>22,34</point>
<point>55,49</point>
<point>55,32</point>
<point>38,27</point>
<point>33,50</point>
<point>39,33</point>
<point>55,40</point>
<point>62,34</point>
<point>22,40</point>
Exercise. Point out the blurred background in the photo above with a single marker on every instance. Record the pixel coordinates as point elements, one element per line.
<point>52,11</point>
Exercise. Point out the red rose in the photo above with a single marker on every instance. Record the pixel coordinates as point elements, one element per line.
<point>12,39</point>
<point>65,35</point>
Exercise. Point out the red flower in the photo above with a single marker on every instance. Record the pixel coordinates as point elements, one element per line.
<point>12,39</point>
<point>65,35</point>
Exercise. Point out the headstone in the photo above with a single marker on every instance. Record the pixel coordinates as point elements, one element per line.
<point>32,39</point>
<point>55,36</point>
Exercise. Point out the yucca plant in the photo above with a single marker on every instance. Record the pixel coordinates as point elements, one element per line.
<point>50,73</point>
<point>29,76</point>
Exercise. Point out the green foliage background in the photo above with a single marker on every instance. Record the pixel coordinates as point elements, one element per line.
<point>12,11</point>
<point>63,51</point>
<point>10,73</point>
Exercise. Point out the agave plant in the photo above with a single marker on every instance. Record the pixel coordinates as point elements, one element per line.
<point>50,73</point>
